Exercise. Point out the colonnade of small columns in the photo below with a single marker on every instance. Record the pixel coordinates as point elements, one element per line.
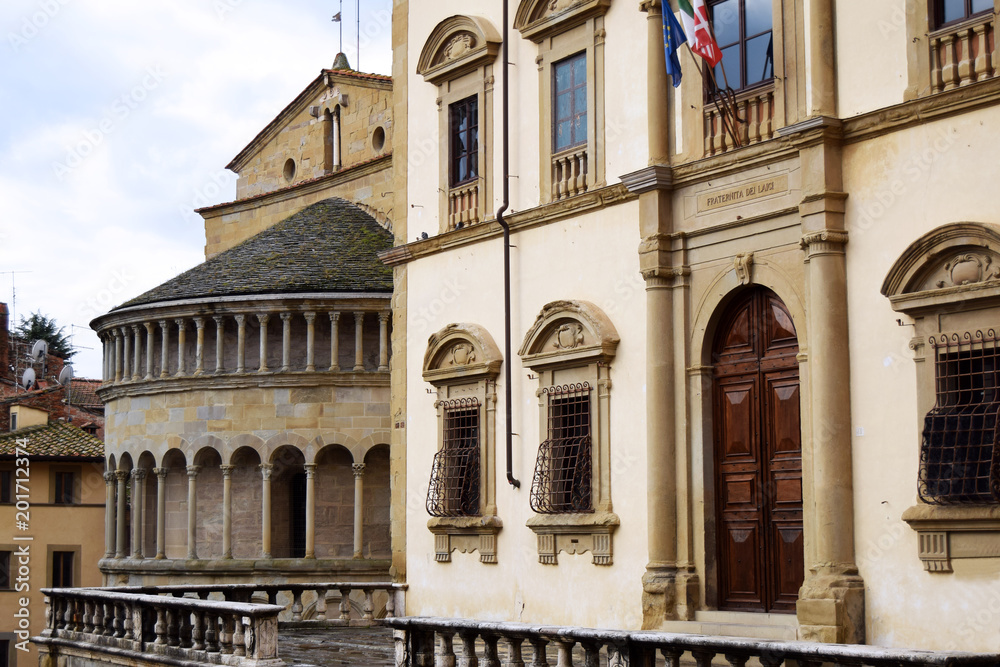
<point>129,349</point>
<point>115,528</point>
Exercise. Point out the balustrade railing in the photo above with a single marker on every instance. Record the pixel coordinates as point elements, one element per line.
<point>193,630</point>
<point>569,173</point>
<point>290,598</point>
<point>755,110</point>
<point>423,642</point>
<point>463,206</point>
<point>963,54</point>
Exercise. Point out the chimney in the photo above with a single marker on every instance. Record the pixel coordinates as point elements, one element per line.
<point>4,341</point>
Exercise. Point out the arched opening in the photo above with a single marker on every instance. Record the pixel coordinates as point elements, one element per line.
<point>377,499</point>
<point>757,455</point>
<point>147,532</point>
<point>334,503</point>
<point>208,503</point>
<point>288,506</point>
<point>246,499</point>
<point>175,504</point>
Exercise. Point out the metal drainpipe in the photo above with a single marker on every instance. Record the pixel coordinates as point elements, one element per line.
<point>505,151</point>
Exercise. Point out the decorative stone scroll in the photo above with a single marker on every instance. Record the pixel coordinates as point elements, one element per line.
<point>461,352</point>
<point>457,45</point>
<point>568,332</point>
<point>539,19</point>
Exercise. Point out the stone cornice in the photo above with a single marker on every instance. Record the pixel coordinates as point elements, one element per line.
<point>541,215</point>
<point>209,381</point>
<point>656,177</point>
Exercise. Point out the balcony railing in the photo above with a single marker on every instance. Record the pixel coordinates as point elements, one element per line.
<point>755,109</point>
<point>422,642</point>
<point>463,206</point>
<point>569,173</point>
<point>963,54</point>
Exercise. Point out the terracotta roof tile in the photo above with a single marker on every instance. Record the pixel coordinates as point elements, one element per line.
<point>55,439</point>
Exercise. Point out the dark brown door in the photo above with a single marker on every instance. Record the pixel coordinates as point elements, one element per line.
<point>758,456</point>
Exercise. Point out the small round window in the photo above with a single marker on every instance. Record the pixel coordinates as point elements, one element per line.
<point>378,139</point>
<point>289,171</point>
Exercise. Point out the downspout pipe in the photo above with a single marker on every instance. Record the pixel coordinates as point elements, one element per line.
<point>505,187</point>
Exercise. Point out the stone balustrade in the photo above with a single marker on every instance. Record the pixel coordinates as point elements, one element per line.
<point>422,642</point>
<point>369,599</point>
<point>152,344</point>
<point>755,109</point>
<point>569,173</point>
<point>964,53</point>
<point>463,206</point>
<point>97,626</point>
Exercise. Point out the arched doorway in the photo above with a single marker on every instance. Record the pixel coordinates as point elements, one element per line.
<point>758,455</point>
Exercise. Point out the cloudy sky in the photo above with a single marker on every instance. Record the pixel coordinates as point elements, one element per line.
<point>118,118</point>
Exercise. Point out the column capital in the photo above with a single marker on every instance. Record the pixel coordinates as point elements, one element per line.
<point>335,316</point>
<point>383,316</point>
<point>199,322</point>
<point>135,329</point>
<point>160,472</point>
<point>115,334</point>
<point>359,316</point>
<point>285,317</point>
<point>310,469</point>
<point>124,331</point>
<point>109,477</point>
<point>121,475</point>
<point>651,6</point>
<point>149,327</point>
<point>163,324</point>
<point>240,319</point>
<point>181,323</point>
<point>263,318</point>
<point>192,471</point>
<point>358,469</point>
<point>138,474</point>
<point>219,320</point>
<point>310,317</point>
<point>227,471</point>
<point>265,470</point>
<point>824,242</point>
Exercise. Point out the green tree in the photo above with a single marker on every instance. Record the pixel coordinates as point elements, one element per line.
<point>40,327</point>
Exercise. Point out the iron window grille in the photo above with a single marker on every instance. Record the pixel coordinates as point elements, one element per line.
<point>464,128</point>
<point>959,457</point>
<point>562,481</point>
<point>454,485</point>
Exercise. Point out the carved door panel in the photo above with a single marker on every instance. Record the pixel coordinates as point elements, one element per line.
<point>758,456</point>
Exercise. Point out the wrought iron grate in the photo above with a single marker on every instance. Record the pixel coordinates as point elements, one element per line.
<point>959,459</point>
<point>562,481</point>
<point>454,485</point>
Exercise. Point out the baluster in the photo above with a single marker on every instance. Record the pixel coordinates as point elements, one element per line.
<point>582,160</point>
<point>197,636</point>
<point>390,603</point>
<point>736,660</point>
<point>591,654</point>
<point>672,657</point>
<point>67,614</point>
<point>469,658</point>
<point>369,608</point>
<point>297,605</point>
<point>211,632</point>
<point>345,605</point>
<point>88,614</point>
<point>119,621</point>
<point>160,629</point>
<point>538,653</point>
<point>514,652</point>
<point>707,121</point>
<point>564,654</point>
<point>982,63</point>
<point>98,619</point>
<point>491,657</point>
<point>320,604</point>
<point>949,68</point>
<point>239,646</point>
<point>444,653</point>
<point>226,635</point>
<point>753,109</point>
<point>186,629</point>
<point>272,595</point>
<point>703,658</point>
<point>452,208</point>
<point>937,81</point>
<point>965,63</point>
<point>767,660</point>
<point>767,109</point>
<point>109,619</point>
<point>475,204</point>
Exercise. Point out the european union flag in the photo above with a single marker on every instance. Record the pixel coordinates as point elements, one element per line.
<point>673,37</point>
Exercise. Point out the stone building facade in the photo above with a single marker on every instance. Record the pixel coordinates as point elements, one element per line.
<point>247,435</point>
<point>740,342</point>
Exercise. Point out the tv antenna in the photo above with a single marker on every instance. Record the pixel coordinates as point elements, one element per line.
<point>13,288</point>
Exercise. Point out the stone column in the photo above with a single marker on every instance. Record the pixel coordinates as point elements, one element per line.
<point>334,341</point>
<point>241,343</point>
<point>265,514</point>
<point>137,352</point>
<point>383,341</point>
<point>310,469</point>
<point>104,358</point>
<point>192,472</point>
<point>109,514</point>
<point>161,512</point>
<point>657,84</point>
<point>164,349</point>
<point>150,341</point>
<point>138,510</point>
<point>120,476</point>
<point>359,352</point>
<point>227,511</point>
<point>118,354</point>
<point>199,349</point>
<point>286,341</point>
<point>181,339</point>
<point>126,356</point>
<point>310,341</point>
<point>359,507</point>
<point>220,337</point>
<point>263,318</point>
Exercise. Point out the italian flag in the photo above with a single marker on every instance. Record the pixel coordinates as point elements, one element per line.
<point>694,16</point>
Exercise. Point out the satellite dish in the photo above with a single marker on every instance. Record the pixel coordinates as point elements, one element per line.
<point>28,379</point>
<point>39,350</point>
<point>66,374</point>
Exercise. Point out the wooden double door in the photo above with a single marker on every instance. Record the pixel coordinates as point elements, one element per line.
<point>758,456</point>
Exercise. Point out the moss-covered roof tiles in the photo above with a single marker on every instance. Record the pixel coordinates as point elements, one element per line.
<point>330,246</point>
<point>55,439</point>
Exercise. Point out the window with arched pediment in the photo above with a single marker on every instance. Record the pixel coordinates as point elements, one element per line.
<point>462,362</point>
<point>458,58</point>
<point>948,282</point>
<point>570,347</point>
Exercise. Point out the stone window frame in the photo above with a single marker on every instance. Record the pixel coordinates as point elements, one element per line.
<point>927,77</point>
<point>54,472</point>
<point>463,361</point>
<point>50,555</point>
<point>947,281</point>
<point>575,342</point>
<point>458,57</point>
<point>562,29</point>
